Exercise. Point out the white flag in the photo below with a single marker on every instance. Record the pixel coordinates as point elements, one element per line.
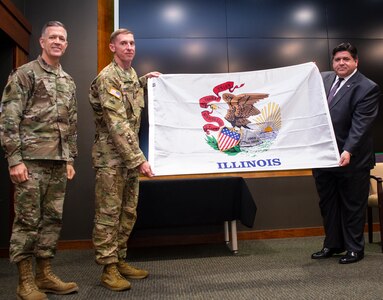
<point>275,119</point>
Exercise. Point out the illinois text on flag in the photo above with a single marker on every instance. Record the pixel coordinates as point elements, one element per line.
<point>274,119</point>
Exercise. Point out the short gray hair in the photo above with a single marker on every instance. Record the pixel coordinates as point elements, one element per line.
<point>51,24</point>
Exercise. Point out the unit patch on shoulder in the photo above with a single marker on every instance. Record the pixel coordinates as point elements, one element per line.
<point>115,93</point>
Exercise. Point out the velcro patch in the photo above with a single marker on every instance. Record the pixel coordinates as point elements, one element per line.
<point>115,93</point>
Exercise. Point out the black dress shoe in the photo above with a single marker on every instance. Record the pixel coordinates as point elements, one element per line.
<point>351,257</point>
<point>326,253</point>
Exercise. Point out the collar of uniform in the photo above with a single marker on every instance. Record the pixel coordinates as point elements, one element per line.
<point>125,75</point>
<point>49,68</point>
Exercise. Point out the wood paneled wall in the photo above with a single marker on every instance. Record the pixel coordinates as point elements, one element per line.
<point>105,21</point>
<point>16,26</point>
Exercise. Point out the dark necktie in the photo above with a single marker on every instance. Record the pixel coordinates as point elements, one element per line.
<point>333,90</point>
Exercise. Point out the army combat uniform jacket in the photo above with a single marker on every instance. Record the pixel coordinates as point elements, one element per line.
<point>117,99</point>
<point>39,114</point>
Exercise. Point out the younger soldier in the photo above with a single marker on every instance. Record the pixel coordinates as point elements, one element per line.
<point>117,99</point>
<point>38,133</point>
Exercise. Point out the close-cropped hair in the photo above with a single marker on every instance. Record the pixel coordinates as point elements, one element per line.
<point>52,24</point>
<point>118,32</point>
<point>346,47</point>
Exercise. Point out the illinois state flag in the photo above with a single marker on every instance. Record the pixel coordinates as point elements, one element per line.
<point>275,119</point>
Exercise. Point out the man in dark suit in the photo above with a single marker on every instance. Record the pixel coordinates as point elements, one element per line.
<point>343,191</point>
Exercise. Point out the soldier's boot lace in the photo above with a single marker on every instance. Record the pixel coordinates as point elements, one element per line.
<point>48,282</point>
<point>131,272</point>
<point>27,289</point>
<point>112,279</point>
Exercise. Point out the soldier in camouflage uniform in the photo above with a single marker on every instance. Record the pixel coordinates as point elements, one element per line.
<point>38,133</point>
<point>117,99</point>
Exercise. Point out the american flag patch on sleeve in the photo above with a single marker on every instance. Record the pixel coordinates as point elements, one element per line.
<point>116,93</point>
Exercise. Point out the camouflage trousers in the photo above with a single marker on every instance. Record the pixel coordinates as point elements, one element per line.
<point>38,210</point>
<point>115,213</point>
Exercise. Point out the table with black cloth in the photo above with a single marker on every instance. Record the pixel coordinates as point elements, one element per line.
<point>196,201</point>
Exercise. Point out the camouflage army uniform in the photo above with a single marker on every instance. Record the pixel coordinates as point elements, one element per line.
<point>117,99</point>
<point>38,128</point>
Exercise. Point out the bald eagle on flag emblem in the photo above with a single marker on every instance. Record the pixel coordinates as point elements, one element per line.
<point>228,139</point>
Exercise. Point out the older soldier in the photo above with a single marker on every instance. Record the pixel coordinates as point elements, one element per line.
<point>38,134</point>
<point>117,99</point>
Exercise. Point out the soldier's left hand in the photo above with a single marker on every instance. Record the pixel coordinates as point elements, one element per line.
<point>70,172</point>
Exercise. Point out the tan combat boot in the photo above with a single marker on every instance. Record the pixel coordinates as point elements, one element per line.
<point>131,272</point>
<point>112,279</point>
<point>48,282</point>
<point>27,289</point>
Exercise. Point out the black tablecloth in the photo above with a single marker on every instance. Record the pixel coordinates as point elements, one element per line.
<point>177,202</point>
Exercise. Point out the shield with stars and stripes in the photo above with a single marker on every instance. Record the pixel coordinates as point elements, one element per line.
<point>228,138</point>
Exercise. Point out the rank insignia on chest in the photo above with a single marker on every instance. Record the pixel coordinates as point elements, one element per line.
<point>115,93</point>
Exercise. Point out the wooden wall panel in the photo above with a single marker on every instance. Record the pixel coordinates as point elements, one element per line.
<point>105,21</point>
<point>20,57</point>
<point>14,24</point>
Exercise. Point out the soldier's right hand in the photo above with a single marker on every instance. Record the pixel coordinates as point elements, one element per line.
<point>19,173</point>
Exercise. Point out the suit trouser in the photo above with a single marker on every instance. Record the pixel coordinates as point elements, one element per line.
<point>343,202</point>
<point>38,210</point>
<point>115,212</point>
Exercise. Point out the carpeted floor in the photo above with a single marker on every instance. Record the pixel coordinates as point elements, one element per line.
<point>263,269</point>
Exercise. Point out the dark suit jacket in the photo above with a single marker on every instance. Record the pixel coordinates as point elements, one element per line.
<point>353,111</point>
